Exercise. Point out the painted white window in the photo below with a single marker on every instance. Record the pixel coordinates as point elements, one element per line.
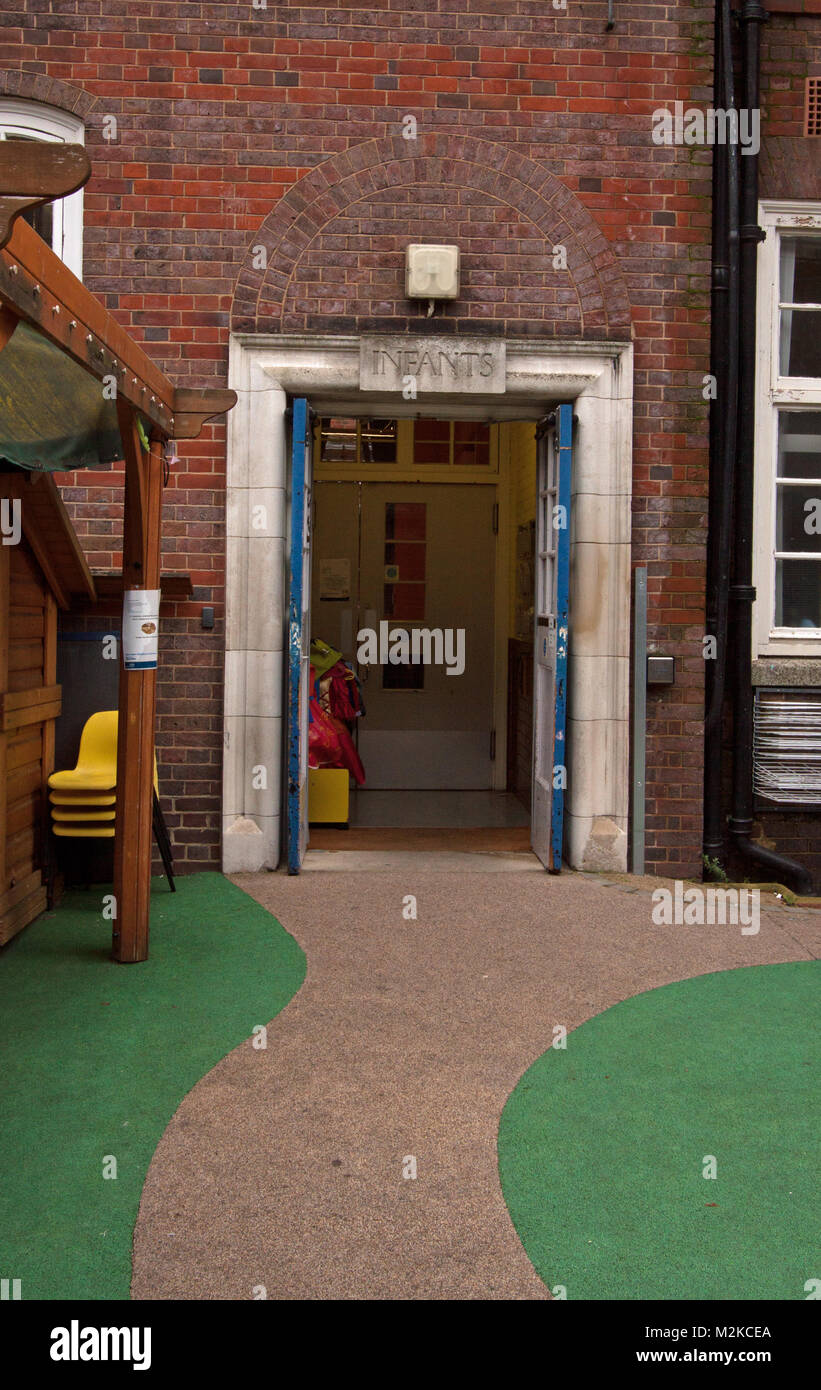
<point>787,611</point>
<point>59,223</point>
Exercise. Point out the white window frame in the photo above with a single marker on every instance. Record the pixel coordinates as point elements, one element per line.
<point>773,391</point>
<point>34,118</point>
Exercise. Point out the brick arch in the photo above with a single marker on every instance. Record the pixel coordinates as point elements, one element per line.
<point>37,86</point>
<point>334,245</point>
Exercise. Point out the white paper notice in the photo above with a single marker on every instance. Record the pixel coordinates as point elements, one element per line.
<point>334,579</point>
<point>141,627</point>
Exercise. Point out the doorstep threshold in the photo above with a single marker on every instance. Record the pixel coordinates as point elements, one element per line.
<point>441,861</point>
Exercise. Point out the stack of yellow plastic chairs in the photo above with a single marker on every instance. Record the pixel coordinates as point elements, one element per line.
<point>83,798</point>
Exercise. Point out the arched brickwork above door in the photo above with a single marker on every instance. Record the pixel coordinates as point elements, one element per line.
<point>335,243</point>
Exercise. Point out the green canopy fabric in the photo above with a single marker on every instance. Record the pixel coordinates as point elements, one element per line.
<point>53,415</point>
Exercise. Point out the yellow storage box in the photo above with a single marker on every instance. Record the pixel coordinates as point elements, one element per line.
<point>328,795</point>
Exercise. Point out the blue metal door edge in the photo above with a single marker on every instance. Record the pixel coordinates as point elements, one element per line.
<point>299,445</point>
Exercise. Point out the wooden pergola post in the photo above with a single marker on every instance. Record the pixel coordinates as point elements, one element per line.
<point>137,700</point>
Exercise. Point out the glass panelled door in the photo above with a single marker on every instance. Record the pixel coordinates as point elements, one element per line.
<point>299,635</point>
<point>553,473</point>
<point>427,565</point>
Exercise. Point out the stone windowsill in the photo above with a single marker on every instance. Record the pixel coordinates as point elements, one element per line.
<point>787,670</point>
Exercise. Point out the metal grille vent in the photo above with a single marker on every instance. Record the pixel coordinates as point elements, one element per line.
<point>812,113</point>
<point>787,746</point>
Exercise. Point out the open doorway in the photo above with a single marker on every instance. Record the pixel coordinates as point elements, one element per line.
<point>270,454</point>
<point>423,579</point>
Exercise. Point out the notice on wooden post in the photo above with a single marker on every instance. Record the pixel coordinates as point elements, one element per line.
<point>141,627</point>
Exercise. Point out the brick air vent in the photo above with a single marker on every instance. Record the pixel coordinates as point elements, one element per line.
<point>812,114</point>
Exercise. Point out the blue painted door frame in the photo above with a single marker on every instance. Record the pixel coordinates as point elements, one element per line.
<point>299,636</point>
<point>554,471</point>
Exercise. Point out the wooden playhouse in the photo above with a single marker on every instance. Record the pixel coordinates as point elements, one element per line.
<point>41,567</point>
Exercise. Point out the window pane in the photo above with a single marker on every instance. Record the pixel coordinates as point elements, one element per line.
<point>800,342</point>
<point>799,444</point>
<point>338,441</point>
<point>799,519</point>
<point>471,444</point>
<point>431,441</point>
<point>404,589</point>
<point>408,558</point>
<point>801,270</point>
<point>798,593</point>
<point>42,220</point>
<point>405,521</point>
<point>378,441</point>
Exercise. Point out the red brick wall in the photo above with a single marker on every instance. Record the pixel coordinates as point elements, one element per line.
<point>790,53</point>
<point>282,127</point>
<point>794,833</point>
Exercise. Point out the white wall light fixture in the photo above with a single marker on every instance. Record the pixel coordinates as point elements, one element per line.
<point>432,272</point>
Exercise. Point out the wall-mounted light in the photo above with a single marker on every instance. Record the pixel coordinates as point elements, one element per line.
<point>431,273</point>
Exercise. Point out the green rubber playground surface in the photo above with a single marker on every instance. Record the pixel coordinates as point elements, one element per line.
<point>603,1147</point>
<point>95,1058</point>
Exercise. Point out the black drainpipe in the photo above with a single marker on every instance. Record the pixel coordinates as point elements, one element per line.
<point>742,593</point>
<point>723,416</point>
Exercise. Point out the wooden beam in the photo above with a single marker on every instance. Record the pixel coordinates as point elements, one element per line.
<point>42,169</point>
<point>134,516</point>
<point>173,586</point>
<point>39,544</point>
<point>33,172</point>
<point>42,509</point>
<point>192,408</point>
<point>37,287</point>
<point>137,703</point>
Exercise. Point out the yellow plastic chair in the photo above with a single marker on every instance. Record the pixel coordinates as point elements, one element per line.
<point>83,832</point>
<point>96,769</point>
<point>68,799</point>
<point>79,792</point>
